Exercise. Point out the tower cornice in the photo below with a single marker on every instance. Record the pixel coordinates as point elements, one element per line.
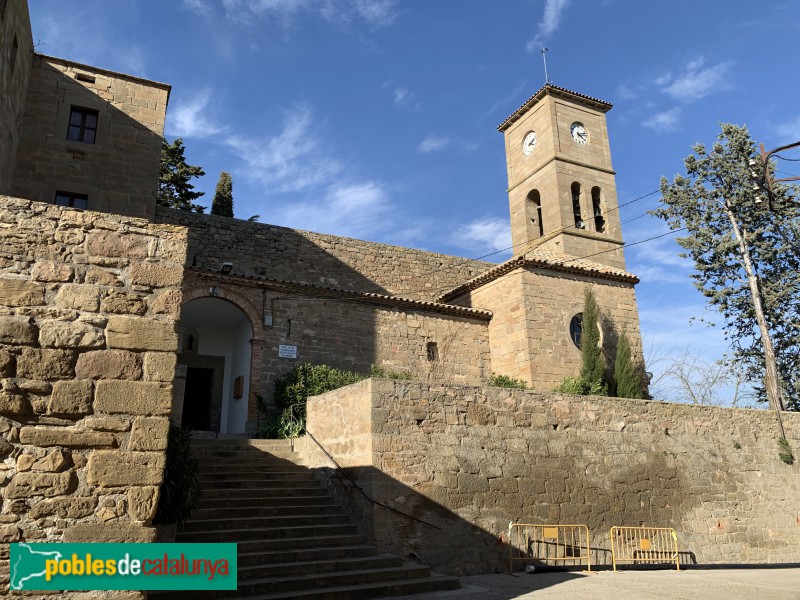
<point>549,89</point>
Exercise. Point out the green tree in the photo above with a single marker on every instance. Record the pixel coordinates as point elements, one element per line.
<point>593,365</point>
<point>222,204</point>
<point>174,187</point>
<point>744,257</point>
<point>627,377</point>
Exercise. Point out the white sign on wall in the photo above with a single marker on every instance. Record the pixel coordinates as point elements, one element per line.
<point>287,351</point>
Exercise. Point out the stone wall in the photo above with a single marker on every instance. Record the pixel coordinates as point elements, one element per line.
<point>470,460</point>
<point>16,53</point>
<point>285,254</point>
<point>119,171</point>
<point>88,305</point>
<point>532,308</point>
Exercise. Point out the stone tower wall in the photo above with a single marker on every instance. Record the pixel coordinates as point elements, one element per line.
<point>88,305</point>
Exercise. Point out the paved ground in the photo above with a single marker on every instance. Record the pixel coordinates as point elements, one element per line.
<point>705,584</point>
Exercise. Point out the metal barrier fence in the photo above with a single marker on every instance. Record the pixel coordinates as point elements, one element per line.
<point>529,542</point>
<point>644,544</point>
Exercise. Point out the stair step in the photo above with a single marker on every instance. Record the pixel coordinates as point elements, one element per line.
<point>249,559</point>
<point>254,472</point>
<point>244,501</point>
<point>265,533</point>
<point>259,510</point>
<point>265,492</point>
<point>273,522</point>
<point>293,482</point>
<point>286,569</point>
<point>295,544</point>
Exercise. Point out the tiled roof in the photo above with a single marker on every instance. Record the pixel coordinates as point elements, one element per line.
<point>553,90</point>
<point>543,259</point>
<point>335,294</point>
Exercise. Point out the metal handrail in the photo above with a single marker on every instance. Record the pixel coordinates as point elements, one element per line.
<point>352,481</point>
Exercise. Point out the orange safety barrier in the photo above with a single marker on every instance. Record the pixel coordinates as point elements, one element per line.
<point>542,543</point>
<point>644,544</point>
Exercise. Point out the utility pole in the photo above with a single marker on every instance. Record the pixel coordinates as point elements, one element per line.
<point>769,180</point>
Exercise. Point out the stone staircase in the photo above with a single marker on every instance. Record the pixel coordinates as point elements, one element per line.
<point>293,540</point>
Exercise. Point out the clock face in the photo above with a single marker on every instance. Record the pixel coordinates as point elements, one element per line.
<point>529,143</point>
<point>579,133</point>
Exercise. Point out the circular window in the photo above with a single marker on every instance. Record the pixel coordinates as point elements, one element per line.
<point>576,329</point>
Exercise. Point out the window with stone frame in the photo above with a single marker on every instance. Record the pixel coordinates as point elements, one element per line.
<point>82,125</point>
<point>72,199</point>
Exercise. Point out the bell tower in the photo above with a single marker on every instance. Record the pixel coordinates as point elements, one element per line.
<point>561,188</point>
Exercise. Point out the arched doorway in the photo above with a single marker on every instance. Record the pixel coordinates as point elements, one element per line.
<point>215,337</point>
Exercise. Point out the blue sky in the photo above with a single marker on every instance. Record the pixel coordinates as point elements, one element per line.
<point>377,118</point>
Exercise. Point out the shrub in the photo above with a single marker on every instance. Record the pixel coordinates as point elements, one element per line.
<point>381,372</point>
<point>785,451</point>
<point>577,385</point>
<point>627,377</point>
<point>504,381</point>
<point>180,491</point>
<point>593,364</point>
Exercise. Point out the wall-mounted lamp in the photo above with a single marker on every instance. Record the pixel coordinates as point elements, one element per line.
<point>213,290</point>
<point>227,267</point>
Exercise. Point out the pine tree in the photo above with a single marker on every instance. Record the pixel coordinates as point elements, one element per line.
<point>744,255</point>
<point>223,196</point>
<point>627,377</point>
<point>593,365</point>
<point>174,189</point>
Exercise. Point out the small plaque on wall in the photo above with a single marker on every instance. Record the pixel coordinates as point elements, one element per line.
<point>238,387</point>
<point>287,351</point>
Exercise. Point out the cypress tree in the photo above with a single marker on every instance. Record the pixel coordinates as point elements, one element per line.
<point>593,366</point>
<point>223,196</point>
<point>628,378</point>
<point>175,174</point>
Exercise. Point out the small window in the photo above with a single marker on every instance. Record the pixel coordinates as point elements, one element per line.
<point>84,77</point>
<point>433,351</point>
<point>72,199</point>
<point>576,206</point>
<point>82,125</point>
<point>576,329</point>
<point>535,213</point>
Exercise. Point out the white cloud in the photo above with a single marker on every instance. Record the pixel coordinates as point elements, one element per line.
<point>790,129</point>
<point>487,233</point>
<point>697,81</point>
<point>290,160</point>
<point>404,98</point>
<point>191,119</point>
<point>434,143</point>
<point>376,13</point>
<point>664,121</point>
<point>358,209</point>
<point>553,9</point>
<point>199,6</point>
<point>626,93</point>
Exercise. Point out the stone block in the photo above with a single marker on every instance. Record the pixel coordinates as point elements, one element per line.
<point>71,398</point>
<point>18,292</point>
<point>132,397</point>
<point>156,275</point>
<point>79,297</point>
<point>17,331</point>
<point>34,363</point>
<point>54,462</point>
<point>109,364</point>
<point>113,244</point>
<point>167,302</point>
<point>106,424</point>
<point>6,363</point>
<point>13,404</point>
<point>126,304</point>
<point>51,271</point>
<point>100,276</point>
<point>159,366</point>
<point>149,433</point>
<point>26,485</point>
<point>9,534</point>
<point>111,533</point>
<point>64,508</point>
<point>25,462</point>
<point>142,503</point>
<point>63,334</point>
<point>117,468</point>
<point>131,333</point>
<point>67,437</point>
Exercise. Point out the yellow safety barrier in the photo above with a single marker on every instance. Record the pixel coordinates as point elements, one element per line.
<point>644,544</point>
<point>529,542</point>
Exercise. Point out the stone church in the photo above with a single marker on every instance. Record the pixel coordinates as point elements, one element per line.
<point>257,298</point>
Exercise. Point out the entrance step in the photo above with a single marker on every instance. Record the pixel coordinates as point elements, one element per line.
<point>293,539</point>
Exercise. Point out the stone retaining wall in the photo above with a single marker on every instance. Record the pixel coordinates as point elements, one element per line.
<point>469,460</point>
<point>88,305</point>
